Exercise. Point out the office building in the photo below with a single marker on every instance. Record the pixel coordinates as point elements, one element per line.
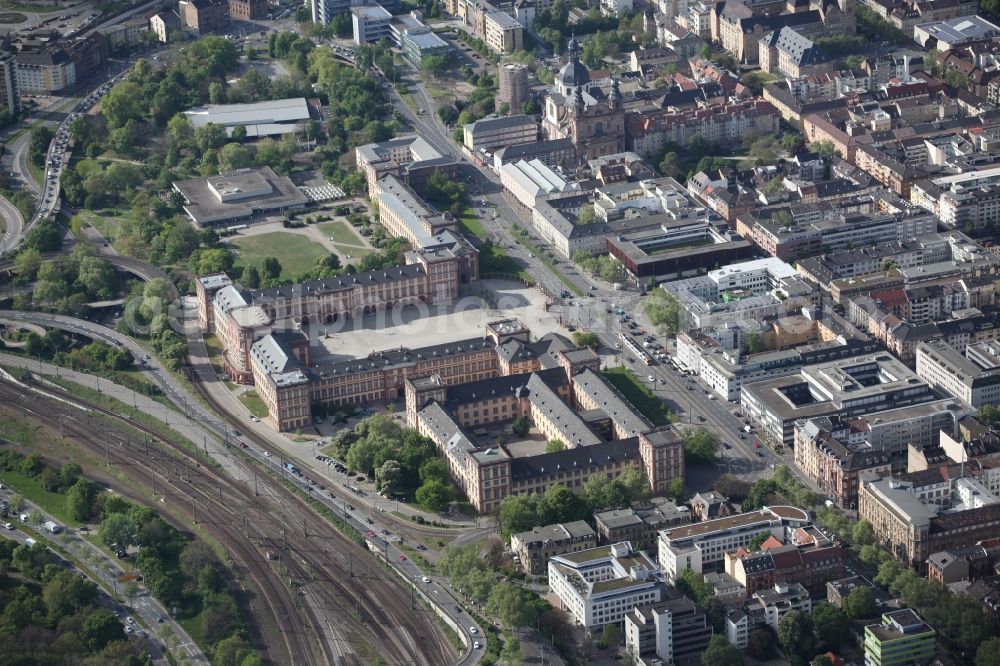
<point>370,24</point>
<point>701,547</point>
<point>973,377</point>
<point>955,33</point>
<point>846,387</point>
<point>672,631</point>
<point>489,134</point>
<point>602,585</point>
<point>901,639</point>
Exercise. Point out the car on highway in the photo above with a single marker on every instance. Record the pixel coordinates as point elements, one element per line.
<point>473,630</point>
<point>402,558</point>
<point>475,645</point>
<point>651,378</point>
<point>425,579</point>
<point>254,418</point>
<point>756,445</point>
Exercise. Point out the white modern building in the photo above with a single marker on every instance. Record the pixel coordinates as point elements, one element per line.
<point>529,182</point>
<point>973,377</point>
<point>601,585</point>
<point>766,607</point>
<point>260,119</point>
<point>370,24</point>
<point>701,547</point>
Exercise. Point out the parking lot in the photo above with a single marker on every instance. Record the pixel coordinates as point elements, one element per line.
<point>435,324</point>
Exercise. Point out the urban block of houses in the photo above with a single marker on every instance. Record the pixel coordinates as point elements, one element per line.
<point>533,548</point>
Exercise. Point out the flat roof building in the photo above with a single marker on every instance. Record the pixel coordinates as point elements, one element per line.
<point>601,585</point>
<point>260,119</point>
<point>845,387</point>
<point>973,377</point>
<point>955,33</point>
<point>370,24</point>
<point>238,196</point>
<point>903,638</point>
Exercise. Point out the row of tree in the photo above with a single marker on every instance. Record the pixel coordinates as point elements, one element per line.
<point>403,462</point>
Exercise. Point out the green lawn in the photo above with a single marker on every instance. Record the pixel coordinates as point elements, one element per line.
<point>638,393</point>
<point>471,224</point>
<point>254,404</point>
<point>340,233</point>
<point>295,252</point>
<point>31,490</point>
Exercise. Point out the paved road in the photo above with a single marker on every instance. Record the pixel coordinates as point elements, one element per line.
<point>193,422</point>
<point>100,567</point>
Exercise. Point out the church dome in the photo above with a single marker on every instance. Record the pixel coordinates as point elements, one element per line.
<point>572,74</point>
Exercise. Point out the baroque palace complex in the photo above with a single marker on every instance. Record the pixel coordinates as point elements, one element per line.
<point>459,394</point>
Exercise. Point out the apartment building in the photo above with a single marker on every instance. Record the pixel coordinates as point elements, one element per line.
<point>602,585</point>
<point>723,124</point>
<point>673,630</point>
<point>44,71</point>
<point>203,16</point>
<point>640,526</point>
<point>810,559</point>
<point>765,607</point>
<point>919,513</point>
<point>702,546</point>
<point>973,377</point>
<point>10,89</point>
<point>502,32</point>
<point>165,25</point>
<point>535,547</point>
<point>832,455</point>
<point>247,10</point>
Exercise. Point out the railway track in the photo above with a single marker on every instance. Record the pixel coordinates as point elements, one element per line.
<point>335,576</point>
<point>384,599</point>
<point>184,483</point>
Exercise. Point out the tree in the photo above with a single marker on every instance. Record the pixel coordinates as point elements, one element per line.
<point>434,495</point>
<point>701,446</point>
<point>795,633</point>
<point>821,660</point>
<point>99,629</point>
<point>860,604</point>
<point>554,445</point>
<point>755,343</point>
<point>587,215</point>
<point>80,499</point>
<point>515,606</point>
<point>434,468</point>
<point>388,478</point>
<point>830,625</point>
<point>122,103</point>
<point>887,264</point>
<point>863,533</point>
<point>271,268</point>
<point>988,653</point>
<point>611,635</point>
<point>663,310</point>
<point>758,541</point>
<point>517,514</point>
<point>251,277</point>
<point>27,263</point>
<point>559,504</point>
<point>520,426</point>
<point>824,148</point>
<point>760,644</point>
<point>721,653</point>
<point>234,156</point>
<point>586,339</point>
<point>118,531</point>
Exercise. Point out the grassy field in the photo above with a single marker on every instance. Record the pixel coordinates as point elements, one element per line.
<point>638,393</point>
<point>31,490</point>
<point>296,253</point>
<point>471,224</point>
<point>108,226</point>
<point>340,233</point>
<point>254,404</point>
